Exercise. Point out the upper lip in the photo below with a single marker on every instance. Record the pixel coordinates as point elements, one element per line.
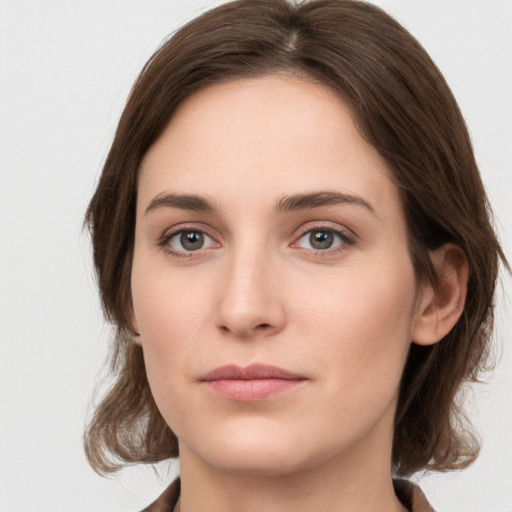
<point>251,372</point>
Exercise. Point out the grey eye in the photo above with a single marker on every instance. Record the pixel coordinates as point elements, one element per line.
<point>190,240</point>
<point>321,239</point>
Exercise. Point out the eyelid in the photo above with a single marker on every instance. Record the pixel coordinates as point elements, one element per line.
<point>327,226</point>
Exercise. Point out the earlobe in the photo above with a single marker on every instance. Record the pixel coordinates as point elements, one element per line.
<point>439,310</point>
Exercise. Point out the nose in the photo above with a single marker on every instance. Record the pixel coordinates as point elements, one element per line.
<point>251,302</point>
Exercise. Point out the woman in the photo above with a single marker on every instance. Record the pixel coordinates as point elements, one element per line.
<point>293,241</point>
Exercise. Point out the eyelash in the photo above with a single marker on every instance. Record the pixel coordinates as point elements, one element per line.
<point>346,240</point>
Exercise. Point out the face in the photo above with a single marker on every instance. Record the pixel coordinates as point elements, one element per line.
<point>272,285</point>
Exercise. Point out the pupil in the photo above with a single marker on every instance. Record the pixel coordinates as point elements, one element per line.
<point>192,240</point>
<point>321,239</point>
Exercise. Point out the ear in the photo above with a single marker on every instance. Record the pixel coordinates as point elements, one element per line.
<point>440,309</point>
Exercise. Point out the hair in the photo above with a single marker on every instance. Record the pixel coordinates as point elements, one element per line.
<point>405,109</point>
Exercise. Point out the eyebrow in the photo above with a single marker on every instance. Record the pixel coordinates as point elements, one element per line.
<point>191,202</point>
<point>285,204</point>
<point>316,199</point>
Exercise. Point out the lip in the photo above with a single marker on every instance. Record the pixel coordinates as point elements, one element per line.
<point>256,382</point>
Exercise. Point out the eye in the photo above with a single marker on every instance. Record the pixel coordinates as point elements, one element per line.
<point>189,240</point>
<point>323,239</point>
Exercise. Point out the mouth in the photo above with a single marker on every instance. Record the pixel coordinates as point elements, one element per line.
<point>256,382</point>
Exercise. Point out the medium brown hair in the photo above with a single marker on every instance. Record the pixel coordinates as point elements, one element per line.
<point>404,108</point>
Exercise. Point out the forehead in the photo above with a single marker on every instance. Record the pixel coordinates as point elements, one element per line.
<point>253,139</point>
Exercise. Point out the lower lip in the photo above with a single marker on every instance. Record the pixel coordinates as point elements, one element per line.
<point>251,390</point>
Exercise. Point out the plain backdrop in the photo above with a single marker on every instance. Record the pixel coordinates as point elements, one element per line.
<point>66,68</point>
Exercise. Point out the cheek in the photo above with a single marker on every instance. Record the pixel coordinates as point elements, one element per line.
<point>171,311</point>
<point>365,317</point>
<point>168,315</point>
<point>167,327</point>
<point>358,332</point>
<point>165,300</point>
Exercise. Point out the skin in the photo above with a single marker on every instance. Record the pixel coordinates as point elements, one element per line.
<point>258,291</point>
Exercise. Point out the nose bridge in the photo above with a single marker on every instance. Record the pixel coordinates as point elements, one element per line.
<point>249,299</point>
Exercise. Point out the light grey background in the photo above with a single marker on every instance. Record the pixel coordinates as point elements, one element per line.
<point>66,68</point>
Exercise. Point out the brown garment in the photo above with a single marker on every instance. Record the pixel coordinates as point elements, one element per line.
<point>167,500</point>
<point>411,496</point>
<point>408,493</point>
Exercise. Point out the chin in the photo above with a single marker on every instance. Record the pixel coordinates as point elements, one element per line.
<point>262,451</point>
